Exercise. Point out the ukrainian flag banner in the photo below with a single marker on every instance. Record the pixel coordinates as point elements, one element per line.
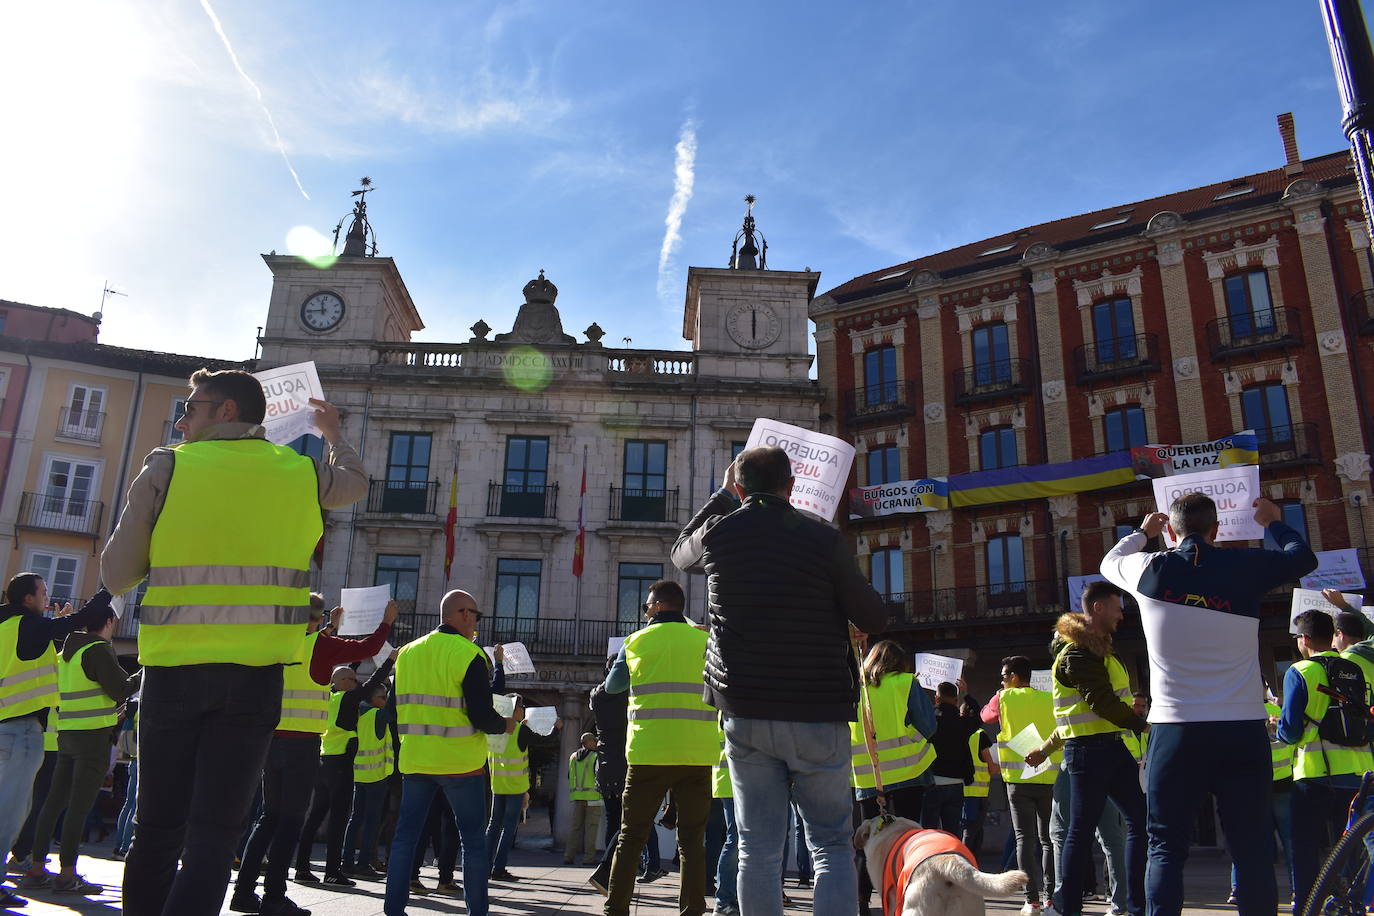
<point>1038,481</point>
<point>900,497</point>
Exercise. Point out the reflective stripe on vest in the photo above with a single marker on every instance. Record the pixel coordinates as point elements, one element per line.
<point>335,740</point>
<point>510,766</point>
<point>903,752</point>
<point>25,686</point>
<point>84,705</point>
<point>1020,707</point>
<point>582,777</point>
<point>375,760</point>
<point>1073,716</point>
<point>670,724</point>
<point>437,737</point>
<point>229,557</point>
<point>982,775</point>
<point>1316,757</point>
<point>304,703</point>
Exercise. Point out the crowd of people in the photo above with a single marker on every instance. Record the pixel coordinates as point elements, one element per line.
<point>775,722</point>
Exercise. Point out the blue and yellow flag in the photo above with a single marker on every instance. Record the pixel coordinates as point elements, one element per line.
<point>1037,481</point>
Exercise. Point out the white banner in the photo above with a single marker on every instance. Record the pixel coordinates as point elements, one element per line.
<point>1043,679</point>
<point>288,390</point>
<point>1077,585</point>
<point>1306,599</point>
<point>932,669</point>
<point>1336,569</point>
<point>820,464</point>
<point>1234,490</point>
<point>363,609</point>
<point>541,719</point>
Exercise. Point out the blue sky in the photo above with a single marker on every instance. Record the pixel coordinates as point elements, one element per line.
<point>509,137</point>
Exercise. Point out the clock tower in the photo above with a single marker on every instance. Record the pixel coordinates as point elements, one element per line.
<point>746,320</point>
<point>332,308</point>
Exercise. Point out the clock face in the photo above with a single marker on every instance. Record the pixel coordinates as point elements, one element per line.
<point>753,325</point>
<point>322,311</point>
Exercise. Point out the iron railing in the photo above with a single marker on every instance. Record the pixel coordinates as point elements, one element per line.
<point>56,512</point>
<point>1254,332</point>
<point>884,401</point>
<point>522,500</point>
<point>1116,358</point>
<point>77,423</point>
<point>633,505</point>
<point>400,497</point>
<point>1034,598</point>
<point>987,381</point>
<point>541,635</point>
<point>1295,443</point>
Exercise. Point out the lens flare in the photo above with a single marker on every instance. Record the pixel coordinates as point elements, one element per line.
<point>527,369</point>
<point>312,247</point>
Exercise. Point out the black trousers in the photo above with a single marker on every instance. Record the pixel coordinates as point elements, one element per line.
<point>291,764</point>
<point>202,740</point>
<point>333,797</point>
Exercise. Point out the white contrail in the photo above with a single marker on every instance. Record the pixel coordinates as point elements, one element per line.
<point>684,176</point>
<point>281,147</point>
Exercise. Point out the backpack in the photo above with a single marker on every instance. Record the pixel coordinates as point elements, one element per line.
<point>1346,722</point>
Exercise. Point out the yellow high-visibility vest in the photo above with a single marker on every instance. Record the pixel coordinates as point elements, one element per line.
<point>84,705</point>
<point>1019,707</point>
<point>670,724</point>
<point>582,777</point>
<point>25,686</point>
<point>335,740</point>
<point>1314,756</point>
<point>304,702</point>
<point>903,752</point>
<point>509,766</point>
<point>437,737</point>
<point>1073,717</point>
<point>229,557</point>
<point>1281,754</point>
<point>375,760</point>
<point>982,775</point>
<point>721,786</point>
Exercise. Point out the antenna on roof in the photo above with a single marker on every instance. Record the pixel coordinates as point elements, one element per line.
<point>106,293</point>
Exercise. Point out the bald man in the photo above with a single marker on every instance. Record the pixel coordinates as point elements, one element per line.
<point>444,713</point>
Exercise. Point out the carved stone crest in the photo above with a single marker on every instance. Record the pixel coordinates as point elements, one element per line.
<point>1065,506</point>
<point>935,412</point>
<point>1332,341</point>
<point>1353,466</point>
<point>1054,391</point>
<point>1185,367</point>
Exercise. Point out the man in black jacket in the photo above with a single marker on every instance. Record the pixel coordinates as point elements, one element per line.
<point>783,590</point>
<point>942,805</point>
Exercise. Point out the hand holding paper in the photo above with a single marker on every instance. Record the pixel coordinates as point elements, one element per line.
<point>326,420</point>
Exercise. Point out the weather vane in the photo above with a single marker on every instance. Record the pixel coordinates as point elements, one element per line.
<point>743,256</point>
<point>361,240</point>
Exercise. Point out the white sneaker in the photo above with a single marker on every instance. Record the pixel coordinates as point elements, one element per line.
<point>1030,909</point>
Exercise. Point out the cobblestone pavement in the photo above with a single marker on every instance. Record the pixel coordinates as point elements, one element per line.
<point>547,887</point>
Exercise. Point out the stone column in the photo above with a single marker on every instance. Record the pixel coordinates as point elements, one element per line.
<point>933,371</point>
<point>1178,315</point>
<point>1054,368</point>
<point>572,708</point>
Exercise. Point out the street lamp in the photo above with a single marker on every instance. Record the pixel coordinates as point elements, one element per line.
<point>1353,61</point>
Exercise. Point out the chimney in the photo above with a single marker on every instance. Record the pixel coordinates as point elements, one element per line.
<point>1289,133</point>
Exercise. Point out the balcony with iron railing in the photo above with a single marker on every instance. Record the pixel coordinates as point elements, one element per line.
<point>560,636</point>
<point>1031,599</point>
<point>399,497</point>
<point>57,512</point>
<point>1254,332</point>
<point>1362,309</point>
<point>882,402</point>
<point>1116,358</point>
<point>522,500</point>
<point>80,424</point>
<point>638,505</point>
<point>1293,444</point>
<point>1001,378</point>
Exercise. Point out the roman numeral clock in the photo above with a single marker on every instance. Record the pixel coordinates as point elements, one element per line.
<point>753,325</point>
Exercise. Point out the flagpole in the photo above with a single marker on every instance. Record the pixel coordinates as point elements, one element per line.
<point>580,545</point>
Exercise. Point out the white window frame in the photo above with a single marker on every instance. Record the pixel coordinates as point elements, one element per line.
<point>78,523</point>
<point>83,428</point>
<point>174,435</point>
<point>48,573</point>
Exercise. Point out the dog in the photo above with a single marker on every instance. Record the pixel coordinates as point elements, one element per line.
<point>940,875</point>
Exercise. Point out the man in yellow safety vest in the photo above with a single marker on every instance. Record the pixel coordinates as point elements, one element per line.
<point>585,825</point>
<point>223,526</point>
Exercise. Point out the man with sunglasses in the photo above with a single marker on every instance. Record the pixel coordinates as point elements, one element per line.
<point>223,526</point>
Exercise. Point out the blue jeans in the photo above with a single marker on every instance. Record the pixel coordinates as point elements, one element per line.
<point>505,820</point>
<point>1100,767</point>
<point>360,839</point>
<point>467,799</point>
<point>942,808</point>
<point>973,823</point>
<point>727,867</point>
<point>124,826</point>
<point>21,754</point>
<point>803,849</point>
<point>764,755</point>
<point>1282,804</point>
<point>1111,836</point>
<point>1232,761</point>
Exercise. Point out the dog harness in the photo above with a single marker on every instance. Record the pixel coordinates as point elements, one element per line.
<point>911,849</point>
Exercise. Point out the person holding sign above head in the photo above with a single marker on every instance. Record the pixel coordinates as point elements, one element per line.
<point>293,758</point>
<point>1200,610</point>
<point>1027,716</point>
<point>224,527</point>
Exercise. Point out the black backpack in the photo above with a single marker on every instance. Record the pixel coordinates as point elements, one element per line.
<point>1346,722</point>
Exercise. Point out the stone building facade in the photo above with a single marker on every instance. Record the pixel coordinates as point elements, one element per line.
<point>1177,320</point>
<point>518,418</point>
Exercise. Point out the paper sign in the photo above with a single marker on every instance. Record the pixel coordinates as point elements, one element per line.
<point>1032,772</point>
<point>1336,569</point>
<point>613,645</point>
<point>1234,490</point>
<point>1026,740</point>
<point>363,609</point>
<point>1077,585</point>
<point>117,605</point>
<point>1042,679</point>
<point>820,463</point>
<point>288,390</point>
<point>932,669</point>
<point>1306,599</point>
<point>517,659</point>
<point>540,719</point>
<point>928,494</point>
<point>504,705</point>
<point>380,658</point>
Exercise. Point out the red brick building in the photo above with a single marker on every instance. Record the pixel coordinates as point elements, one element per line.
<point>1245,304</point>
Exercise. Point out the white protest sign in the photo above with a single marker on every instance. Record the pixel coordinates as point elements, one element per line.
<point>540,719</point>
<point>517,659</point>
<point>504,705</point>
<point>382,656</point>
<point>288,390</point>
<point>1032,772</point>
<point>1025,741</point>
<point>932,669</point>
<point>820,464</point>
<point>1336,569</point>
<point>1307,599</point>
<point>1077,585</point>
<point>117,605</point>
<point>613,645</point>
<point>1042,679</point>
<point>1233,489</point>
<point>363,609</point>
